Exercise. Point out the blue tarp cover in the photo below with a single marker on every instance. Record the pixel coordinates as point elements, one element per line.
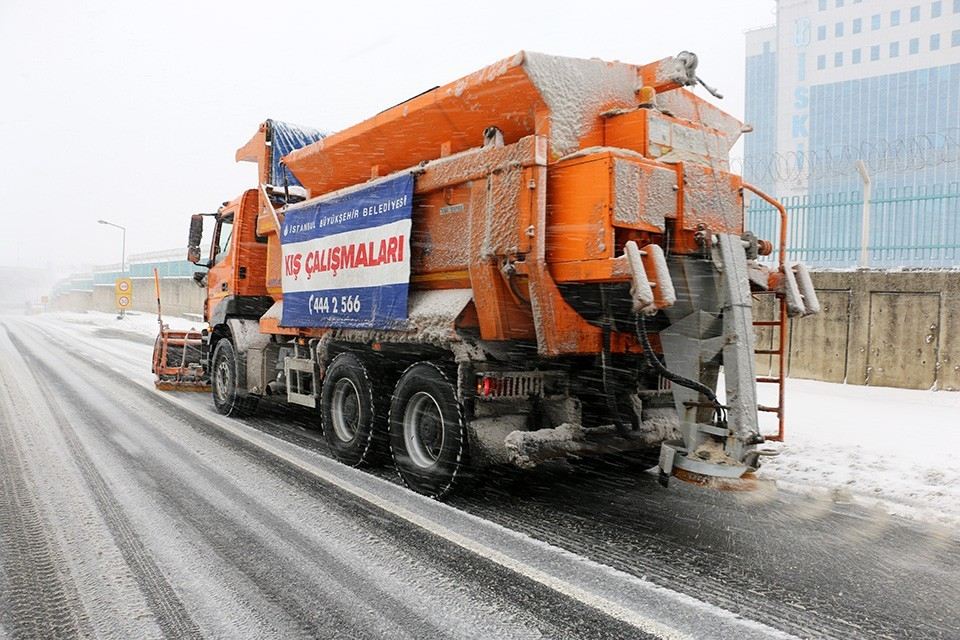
<point>286,137</point>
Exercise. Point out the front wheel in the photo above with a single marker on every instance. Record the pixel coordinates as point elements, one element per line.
<point>223,379</point>
<point>428,437</point>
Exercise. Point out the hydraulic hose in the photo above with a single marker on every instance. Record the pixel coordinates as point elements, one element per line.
<point>654,360</point>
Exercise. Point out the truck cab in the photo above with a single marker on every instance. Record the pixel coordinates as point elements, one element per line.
<point>236,262</point>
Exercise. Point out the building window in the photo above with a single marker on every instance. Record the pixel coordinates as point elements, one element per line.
<point>915,14</point>
<point>838,30</point>
<point>857,25</point>
<point>838,59</point>
<point>956,6</point>
<point>822,5</point>
<point>839,3</point>
<point>895,18</point>
<point>875,52</point>
<point>936,8</point>
<point>955,38</point>
<point>821,62</point>
<point>822,32</point>
<point>934,42</point>
<point>855,55</point>
<point>894,49</point>
<point>914,45</point>
<point>875,21</point>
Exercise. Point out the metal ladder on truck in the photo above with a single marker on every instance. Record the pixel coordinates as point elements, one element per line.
<point>779,324</point>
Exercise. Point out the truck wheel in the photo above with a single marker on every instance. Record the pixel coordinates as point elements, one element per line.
<point>349,412</point>
<point>223,379</point>
<point>428,437</point>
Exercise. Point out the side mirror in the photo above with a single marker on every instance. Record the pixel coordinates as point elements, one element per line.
<point>196,236</point>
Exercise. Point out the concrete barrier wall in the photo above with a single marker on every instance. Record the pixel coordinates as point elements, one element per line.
<point>179,296</point>
<point>888,329</point>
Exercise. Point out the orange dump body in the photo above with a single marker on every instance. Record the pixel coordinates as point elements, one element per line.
<point>531,177</point>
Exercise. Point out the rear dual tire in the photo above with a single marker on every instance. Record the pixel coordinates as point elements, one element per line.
<point>425,430</point>
<point>353,421</point>
<point>428,438</point>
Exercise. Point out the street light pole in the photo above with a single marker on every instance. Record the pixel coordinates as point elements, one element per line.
<point>123,250</point>
<point>123,245</point>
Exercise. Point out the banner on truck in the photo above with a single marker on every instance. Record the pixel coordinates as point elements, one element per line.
<point>346,261</point>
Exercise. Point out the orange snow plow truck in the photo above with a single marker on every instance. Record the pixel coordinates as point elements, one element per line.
<point>544,259</point>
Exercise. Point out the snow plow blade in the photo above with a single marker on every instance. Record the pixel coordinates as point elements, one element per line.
<point>181,385</point>
<point>177,361</point>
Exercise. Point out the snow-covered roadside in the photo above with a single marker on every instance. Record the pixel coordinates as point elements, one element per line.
<point>893,449</point>
<point>134,322</point>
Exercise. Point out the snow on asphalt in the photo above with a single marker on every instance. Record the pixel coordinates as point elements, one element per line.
<point>892,449</point>
<point>153,462</point>
<point>176,532</point>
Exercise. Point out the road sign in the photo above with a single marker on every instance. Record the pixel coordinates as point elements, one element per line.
<point>123,289</point>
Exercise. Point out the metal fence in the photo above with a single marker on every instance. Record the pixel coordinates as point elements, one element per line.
<point>179,269</point>
<point>906,227</point>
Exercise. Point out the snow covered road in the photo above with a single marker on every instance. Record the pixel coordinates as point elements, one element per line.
<point>128,513</point>
<point>125,518</point>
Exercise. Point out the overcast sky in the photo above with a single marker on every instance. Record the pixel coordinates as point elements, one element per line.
<point>132,111</point>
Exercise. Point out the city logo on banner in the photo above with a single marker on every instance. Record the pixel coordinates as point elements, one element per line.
<point>346,260</point>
